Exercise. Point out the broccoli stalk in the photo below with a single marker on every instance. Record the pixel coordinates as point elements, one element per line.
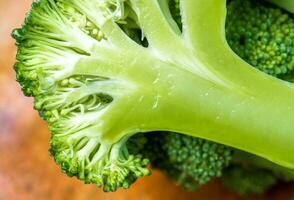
<point>286,4</point>
<point>96,87</point>
<point>261,35</point>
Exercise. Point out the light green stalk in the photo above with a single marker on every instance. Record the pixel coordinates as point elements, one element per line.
<point>194,84</point>
<point>286,4</point>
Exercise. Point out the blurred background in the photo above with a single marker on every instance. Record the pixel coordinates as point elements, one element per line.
<point>28,172</point>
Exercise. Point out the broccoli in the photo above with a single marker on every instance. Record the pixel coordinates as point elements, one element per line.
<point>102,71</point>
<point>261,35</point>
<point>242,27</point>
<point>285,4</point>
<point>248,174</point>
<point>248,180</point>
<point>190,161</point>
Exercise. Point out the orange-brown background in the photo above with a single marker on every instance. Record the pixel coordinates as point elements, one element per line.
<point>27,171</point>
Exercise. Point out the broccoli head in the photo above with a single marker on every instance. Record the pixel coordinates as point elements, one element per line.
<point>97,83</point>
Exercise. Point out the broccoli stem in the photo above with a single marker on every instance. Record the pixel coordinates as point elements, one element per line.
<point>237,112</point>
<point>286,4</point>
<point>247,121</point>
<point>247,116</point>
<point>225,108</point>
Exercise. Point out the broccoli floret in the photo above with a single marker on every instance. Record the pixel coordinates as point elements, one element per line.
<point>197,158</point>
<point>97,84</point>
<point>249,174</point>
<point>54,44</point>
<point>248,181</point>
<point>190,161</point>
<point>261,35</point>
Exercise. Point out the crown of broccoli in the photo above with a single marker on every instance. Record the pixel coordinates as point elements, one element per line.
<point>97,83</point>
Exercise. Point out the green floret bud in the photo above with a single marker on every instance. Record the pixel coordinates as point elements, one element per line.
<point>248,181</point>
<point>190,161</point>
<point>91,160</point>
<point>200,159</point>
<point>76,145</point>
<point>248,174</point>
<point>262,35</point>
<point>47,47</point>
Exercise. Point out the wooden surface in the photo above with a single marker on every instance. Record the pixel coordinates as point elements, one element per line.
<point>28,172</point>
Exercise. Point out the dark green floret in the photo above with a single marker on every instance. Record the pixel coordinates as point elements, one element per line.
<point>248,174</point>
<point>189,161</point>
<point>262,35</point>
<point>248,181</point>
